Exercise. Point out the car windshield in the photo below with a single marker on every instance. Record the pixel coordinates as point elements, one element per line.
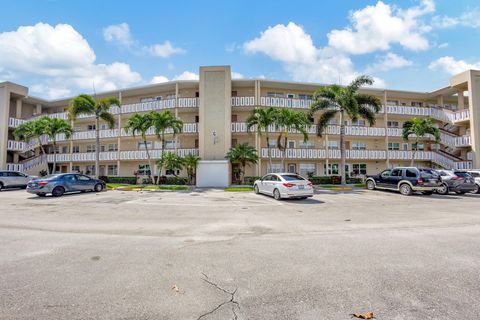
<point>291,177</point>
<point>51,177</point>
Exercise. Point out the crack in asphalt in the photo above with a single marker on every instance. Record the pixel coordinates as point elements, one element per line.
<point>233,303</point>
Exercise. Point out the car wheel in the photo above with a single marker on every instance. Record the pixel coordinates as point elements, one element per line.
<point>303,198</point>
<point>460,192</point>
<point>58,191</point>
<point>1,186</point>
<point>277,195</point>
<point>41,195</point>
<point>405,189</point>
<point>255,189</point>
<point>370,185</point>
<point>443,190</point>
<point>98,187</point>
<point>477,189</point>
<point>427,193</point>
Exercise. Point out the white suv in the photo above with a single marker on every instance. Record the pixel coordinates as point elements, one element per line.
<point>14,179</point>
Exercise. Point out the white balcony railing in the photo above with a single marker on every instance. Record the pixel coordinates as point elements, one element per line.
<point>15,145</point>
<point>306,153</point>
<point>148,106</point>
<point>356,130</point>
<point>14,167</point>
<point>407,155</point>
<point>285,102</point>
<point>449,163</point>
<point>188,103</point>
<point>14,122</point>
<point>243,101</point>
<point>455,141</point>
<point>414,111</point>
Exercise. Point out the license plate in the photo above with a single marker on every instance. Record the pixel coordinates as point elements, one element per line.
<point>301,187</point>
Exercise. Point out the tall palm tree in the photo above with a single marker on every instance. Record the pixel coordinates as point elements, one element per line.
<point>242,154</point>
<point>263,119</point>
<point>32,129</point>
<point>288,119</point>
<point>420,128</point>
<point>53,127</point>
<point>191,163</point>
<point>86,105</point>
<point>139,124</point>
<point>161,122</point>
<point>346,101</point>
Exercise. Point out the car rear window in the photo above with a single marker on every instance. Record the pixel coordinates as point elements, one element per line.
<point>462,174</point>
<point>474,174</point>
<point>291,177</point>
<point>52,177</point>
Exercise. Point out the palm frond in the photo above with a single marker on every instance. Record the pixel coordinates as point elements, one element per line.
<point>324,120</point>
<point>367,114</point>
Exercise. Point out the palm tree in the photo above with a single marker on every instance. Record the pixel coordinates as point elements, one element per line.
<point>346,101</point>
<point>191,163</point>
<point>32,129</point>
<point>53,127</point>
<point>139,124</point>
<point>242,154</point>
<point>86,105</point>
<point>161,122</point>
<point>420,128</point>
<point>263,119</point>
<point>172,162</point>
<point>288,119</point>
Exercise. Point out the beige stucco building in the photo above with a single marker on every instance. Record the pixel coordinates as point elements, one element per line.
<point>214,110</point>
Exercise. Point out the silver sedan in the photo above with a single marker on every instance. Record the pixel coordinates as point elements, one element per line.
<point>284,185</point>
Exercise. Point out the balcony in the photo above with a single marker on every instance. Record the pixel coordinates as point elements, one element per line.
<point>15,145</point>
<point>240,127</point>
<point>407,155</point>
<point>117,155</point>
<point>454,141</point>
<point>14,122</point>
<point>285,102</point>
<point>414,111</point>
<point>356,131</point>
<point>243,101</point>
<point>300,153</point>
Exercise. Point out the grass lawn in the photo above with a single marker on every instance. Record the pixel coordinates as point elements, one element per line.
<point>113,186</point>
<point>339,187</point>
<point>238,189</point>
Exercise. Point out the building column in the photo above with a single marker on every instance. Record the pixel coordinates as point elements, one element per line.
<point>461,100</point>
<point>385,115</point>
<point>119,138</point>
<point>4,115</point>
<point>18,113</point>
<point>38,109</point>
<point>474,109</point>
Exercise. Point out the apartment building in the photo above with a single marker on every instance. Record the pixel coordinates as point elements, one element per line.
<point>214,110</point>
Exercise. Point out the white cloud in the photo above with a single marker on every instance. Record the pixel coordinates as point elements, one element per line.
<point>452,66</point>
<point>159,79</point>
<point>388,62</point>
<point>382,25</point>
<point>62,58</point>
<point>237,75</point>
<point>287,43</point>
<point>118,33</point>
<point>467,19</point>
<point>163,50</point>
<point>186,75</point>
<point>443,45</point>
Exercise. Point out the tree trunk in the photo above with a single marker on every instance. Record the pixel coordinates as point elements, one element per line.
<point>149,160</point>
<point>54,169</point>
<point>97,148</point>
<point>285,148</point>
<point>43,152</point>
<point>243,172</point>
<point>269,153</point>
<point>161,157</point>
<point>414,151</point>
<point>342,149</point>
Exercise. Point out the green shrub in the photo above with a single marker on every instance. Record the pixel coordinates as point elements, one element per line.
<point>251,180</point>
<point>321,180</point>
<point>354,180</point>
<point>122,180</point>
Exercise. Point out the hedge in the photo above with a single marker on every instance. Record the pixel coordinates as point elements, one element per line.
<point>316,180</point>
<point>125,180</point>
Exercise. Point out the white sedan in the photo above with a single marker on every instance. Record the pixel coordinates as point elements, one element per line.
<point>284,185</point>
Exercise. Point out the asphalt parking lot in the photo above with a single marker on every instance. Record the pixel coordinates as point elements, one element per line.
<point>210,254</point>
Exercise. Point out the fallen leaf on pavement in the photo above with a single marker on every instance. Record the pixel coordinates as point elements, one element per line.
<point>367,315</point>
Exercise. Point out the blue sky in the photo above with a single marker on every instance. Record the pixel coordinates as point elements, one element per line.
<point>59,48</point>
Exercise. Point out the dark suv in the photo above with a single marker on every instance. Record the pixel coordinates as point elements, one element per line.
<point>406,180</point>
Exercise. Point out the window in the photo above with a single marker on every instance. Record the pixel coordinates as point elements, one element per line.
<point>272,143</point>
<point>234,93</point>
<point>305,96</point>
<point>291,144</point>
<point>292,177</point>
<point>332,122</point>
<point>197,119</point>
<point>112,170</point>
<point>141,145</point>
<point>396,173</point>
<point>386,173</point>
<point>392,124</point>
<point>357,145</point>
<point>144,169</point>
<point>393,146</point>
<point>170,144</point>
<point>158,98</point>
<point>197,94</point>
<point>76,149</point>
<point>91,127</point>
<point>170,96</point>
<point>359,168</point>
<point>234,118</point>
<point>75,168</point>
<point>81,177</point>
<point>416,104</point>
<point>147,99</point>
<point>392,102</point>
<point>103,148</point>
<point>275,94</point>
<point>290,96</point>
<point>358,122</point>
<point>90,148</point>
<point>332,168</point>
<point>421,146</point>
<point>276,167</point>
<point>307,169</point>
<point>65,149</point>
<point>112,147</point>
<point>411,173</point>
<point>332,144</point>
<point>196,143</point>
<point>309,144</point>
<point>234,142</point>
<point>405,146</point>
<point>90,169</point>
